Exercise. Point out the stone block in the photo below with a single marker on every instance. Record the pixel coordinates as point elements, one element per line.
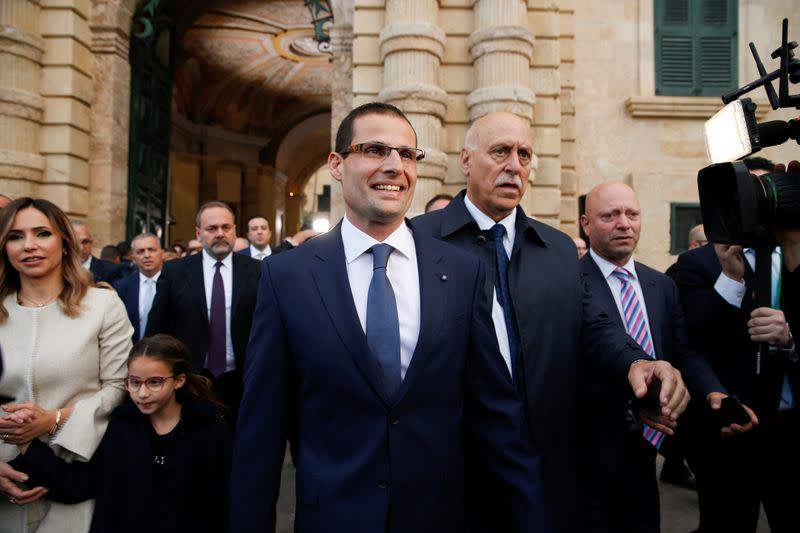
<point>456,51</point>
<point>65,23</point>
<point>569,181</point>
<point>64,140</point>
<point>567,5</point>
<point>567,101</point>
<point>368,22</point>
<point>64,110</point>
<point>544,201</point>
<point>453,139</point>
<point>369,3</point>
<point>83,7</point>
<point>547,112</point>
<point>62,168</point>
<point>546,141</point>
<point>547,5</point>
<point>570,228</point>
<point>544,24</point>
<point>66,81</point>
<point>457,111</point>
<point>366,50</point>
<point>548,172</point>
<point>567,46</point>
<point>546,53</point>
<point>569,152</point>
<point>61,51</point>
<point>567,73</point>
<point>454,175</point>
<point>456,21</point>
<point>568,131</point>
<point>545,81</point>
<point>24,137</point>
<point>368,79</point>
<point>456,78</point>
<point>566,24</point>
<point>73,200</point>
<point>456,3</point>
<point>360,99</point>
<point>569,209</point>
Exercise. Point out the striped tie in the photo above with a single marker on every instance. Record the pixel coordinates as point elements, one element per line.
<point>636,326</point>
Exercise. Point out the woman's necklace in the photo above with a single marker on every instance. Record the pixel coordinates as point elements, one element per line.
<point>22,299</point>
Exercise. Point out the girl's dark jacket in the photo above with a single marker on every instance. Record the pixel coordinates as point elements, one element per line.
<point>194,484</point>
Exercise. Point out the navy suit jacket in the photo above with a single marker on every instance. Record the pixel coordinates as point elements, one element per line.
<point>104,271</point>
<point>179,308</point>
<point>366,462</point>
<point>128,290</point>
<point>558,324</point>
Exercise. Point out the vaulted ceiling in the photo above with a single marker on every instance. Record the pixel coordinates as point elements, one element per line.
<point>251,67</point>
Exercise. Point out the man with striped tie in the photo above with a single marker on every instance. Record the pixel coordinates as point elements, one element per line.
<point>625,435</point>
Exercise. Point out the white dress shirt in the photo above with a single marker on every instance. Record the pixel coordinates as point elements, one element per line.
<point>402,272</point>
<point>498,316</point>
<point>88,264</point>
<point>607,268</point>
<point>226,270</point>
<point>255,253</point>
<point>144,305</point>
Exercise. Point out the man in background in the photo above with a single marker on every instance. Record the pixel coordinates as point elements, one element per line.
<point>138,290</point>
<point>101,270</point>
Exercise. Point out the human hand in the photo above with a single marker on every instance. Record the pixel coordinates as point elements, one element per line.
<point>731,259</point>
<point>9,478</point>
<point>35,422</point>
<point>656,420</point>
<point>649,375</point>
<point>770,326</point>
<point>714,400</point>
<point>302,236</point>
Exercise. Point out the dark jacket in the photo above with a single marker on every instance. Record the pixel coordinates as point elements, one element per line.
<point>104,271</point>
<point>194,487</point>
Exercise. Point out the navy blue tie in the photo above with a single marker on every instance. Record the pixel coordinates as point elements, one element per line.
<point>383,328</point>
<point>504,297</point>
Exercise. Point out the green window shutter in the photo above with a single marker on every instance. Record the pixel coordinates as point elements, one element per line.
<point>695,47</point>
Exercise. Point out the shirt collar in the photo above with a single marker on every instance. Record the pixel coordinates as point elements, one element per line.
<point>607,267</point>
<point>143,278</point>
<point>356,242</point>
<point>485,222</point>
<point>209,262</point>
<point>88,263</point>
<point>255,252</point>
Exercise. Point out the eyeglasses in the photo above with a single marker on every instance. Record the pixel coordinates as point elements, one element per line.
<point>379,151</point>
<point>152,384</point>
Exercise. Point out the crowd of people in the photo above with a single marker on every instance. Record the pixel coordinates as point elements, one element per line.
<point>459,371</point>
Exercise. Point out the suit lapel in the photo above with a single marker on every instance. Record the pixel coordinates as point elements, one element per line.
<point>433,288</point>
<point>602,292</point>
<point>196,281</point>
<point>237,269</point>
<point>652,300</point>
<point>329,271</point>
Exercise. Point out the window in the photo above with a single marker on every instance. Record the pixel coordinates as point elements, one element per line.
<point>683,218</point>
<point>695,47</point>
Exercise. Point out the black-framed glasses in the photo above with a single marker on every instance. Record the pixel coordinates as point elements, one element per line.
<point>380,151</point>
<point>153,384</point>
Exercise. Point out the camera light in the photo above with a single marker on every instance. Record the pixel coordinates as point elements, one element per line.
<point>321,225</point>
<point>732,133</point>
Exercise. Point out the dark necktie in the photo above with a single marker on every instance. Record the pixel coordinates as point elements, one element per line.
<point>504,297</point>
<point>383,328</point>
<point>216,345</point>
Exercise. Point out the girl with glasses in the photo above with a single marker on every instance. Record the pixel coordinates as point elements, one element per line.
<point>165,459</point>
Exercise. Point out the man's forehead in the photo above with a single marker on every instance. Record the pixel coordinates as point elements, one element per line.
<point>145,242</point>
<point>256,222</point>
<point>385,128</point>
<point>503,128</point>
<point>216,216</point>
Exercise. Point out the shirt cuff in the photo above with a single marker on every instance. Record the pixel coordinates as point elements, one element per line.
<point>731,291</point>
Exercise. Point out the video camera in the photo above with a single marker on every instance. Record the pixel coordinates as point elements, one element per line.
<point>738,207</point>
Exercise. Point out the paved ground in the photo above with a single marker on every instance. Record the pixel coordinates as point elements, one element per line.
<point>679,512</point>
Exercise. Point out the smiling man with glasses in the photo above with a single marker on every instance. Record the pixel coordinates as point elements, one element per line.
<point>371,353</point>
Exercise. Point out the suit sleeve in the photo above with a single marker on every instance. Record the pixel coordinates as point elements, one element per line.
<point>67,483</point>
<point>260,442</point>
<point>160,318</point>
<point>497,429</point>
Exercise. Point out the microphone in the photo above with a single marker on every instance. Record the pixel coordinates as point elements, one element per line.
<point>481,240</point>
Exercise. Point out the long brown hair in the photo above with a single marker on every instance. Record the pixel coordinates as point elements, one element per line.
<point>76,278</point>
<point>175,354</point>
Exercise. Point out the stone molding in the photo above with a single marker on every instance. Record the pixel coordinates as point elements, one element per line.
<point>690,107</point>
<point>434,166</point>
<point>413,36</point>
<point>110,40</point>
<point>22,104</point>
<point>416,98</point>
<point>517,100</point>
<point>493,39</point>
<point>15,158</point>
<point>19,43</point>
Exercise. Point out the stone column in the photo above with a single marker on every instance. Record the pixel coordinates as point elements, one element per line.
<point>569,174</point>
<point>110,118</point>
<point>341,85</point>
<point>544,197</point>
<point>412,47</point>
<point>501,50</point>
<point>21,107</point>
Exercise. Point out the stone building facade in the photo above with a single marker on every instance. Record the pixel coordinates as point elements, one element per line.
<point>253,108</point>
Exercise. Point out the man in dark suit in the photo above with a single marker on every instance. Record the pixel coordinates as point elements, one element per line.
<point>736,473</point>
<point>138,290</point>
<point>101,270</point>
<point>207,301</point>
<point>623,436</point>
<point>548,320</point>
<point>370,351</point>
<point>259,235</point>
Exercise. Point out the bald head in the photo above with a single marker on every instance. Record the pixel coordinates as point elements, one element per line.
<point>496,160</point>
<point>612,221</point>
<point>697,237</point>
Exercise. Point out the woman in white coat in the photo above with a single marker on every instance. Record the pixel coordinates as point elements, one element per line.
<point>64,346</point>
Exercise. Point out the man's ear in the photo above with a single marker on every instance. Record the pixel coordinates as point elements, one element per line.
<point>584,222</point>
<point>335,161</point>
<point>463,160</point>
